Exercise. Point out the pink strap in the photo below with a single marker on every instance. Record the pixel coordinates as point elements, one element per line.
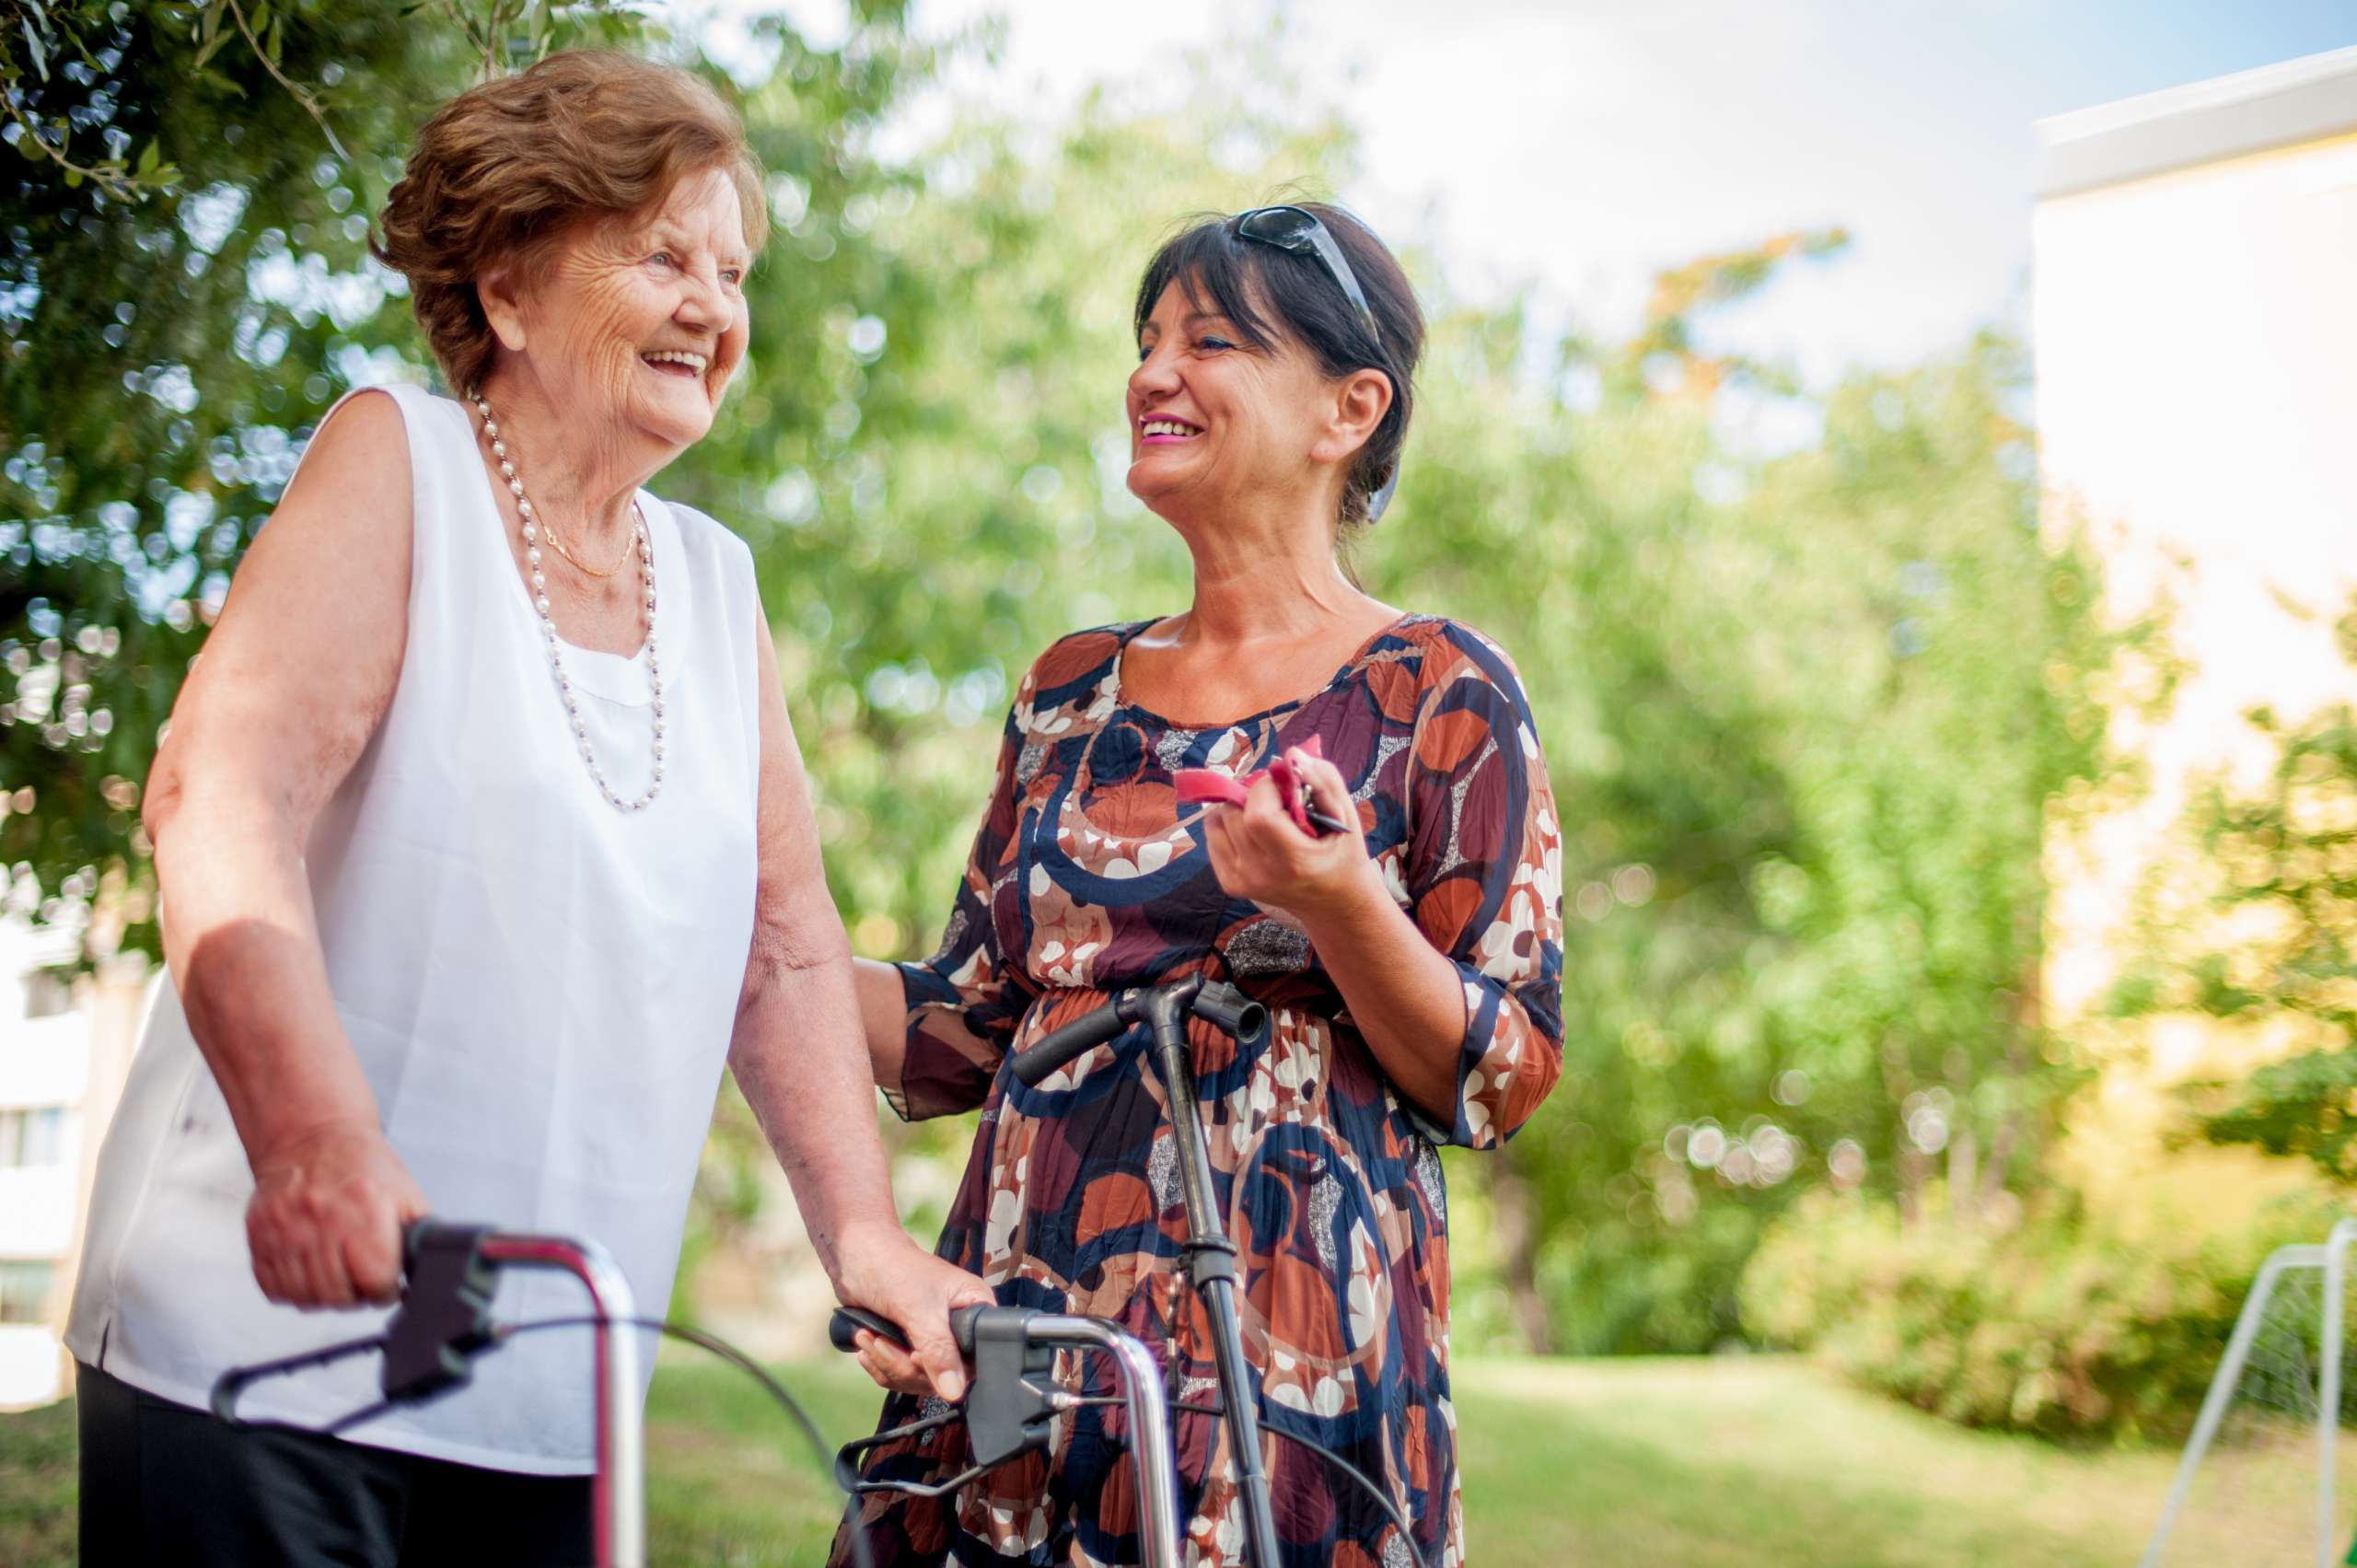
<point>1196,784</point>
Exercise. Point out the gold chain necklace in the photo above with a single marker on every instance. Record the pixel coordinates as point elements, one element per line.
<point>620,561</point>
<point>507,475</point>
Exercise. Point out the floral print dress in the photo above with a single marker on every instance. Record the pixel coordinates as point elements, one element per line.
<point>1087,877</point>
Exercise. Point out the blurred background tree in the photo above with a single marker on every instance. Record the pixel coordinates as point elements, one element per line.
<point>166,344</point>
<point>2279,952</point>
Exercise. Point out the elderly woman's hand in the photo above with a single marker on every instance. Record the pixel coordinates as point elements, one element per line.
<point>892,1275</point>
<point>1260,852</point>
<point>325,1221</point>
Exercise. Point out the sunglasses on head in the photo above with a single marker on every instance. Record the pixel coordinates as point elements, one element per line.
<point>1298,231</point>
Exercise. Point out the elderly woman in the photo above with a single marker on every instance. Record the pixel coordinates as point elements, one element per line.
<point>1410,963</point>
<point>483,842</point>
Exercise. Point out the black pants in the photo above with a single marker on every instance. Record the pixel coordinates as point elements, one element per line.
<point>163,1484</point>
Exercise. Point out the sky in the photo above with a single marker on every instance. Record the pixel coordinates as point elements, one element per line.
<point>1569,148</point>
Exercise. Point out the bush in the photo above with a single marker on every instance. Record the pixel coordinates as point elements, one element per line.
<point>2057,1324</point>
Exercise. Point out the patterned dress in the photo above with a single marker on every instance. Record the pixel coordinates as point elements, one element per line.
<point>1087,877</point>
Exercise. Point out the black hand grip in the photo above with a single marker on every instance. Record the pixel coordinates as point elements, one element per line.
<point>1230,1009</point>
<point>848,1320</point>
<point>416,1235</point>
<point>1059,1046</point>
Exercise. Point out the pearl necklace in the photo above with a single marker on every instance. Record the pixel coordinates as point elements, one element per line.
<point>646,552</point>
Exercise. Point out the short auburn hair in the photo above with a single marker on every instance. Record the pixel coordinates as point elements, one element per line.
<point>504,170</point>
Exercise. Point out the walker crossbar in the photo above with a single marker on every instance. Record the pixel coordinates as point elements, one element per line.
<point>1013,1399</point>
<point>444,1322</point>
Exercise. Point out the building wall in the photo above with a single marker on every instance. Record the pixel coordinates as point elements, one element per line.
<point>2195,331</point>
<point>61,1074</point>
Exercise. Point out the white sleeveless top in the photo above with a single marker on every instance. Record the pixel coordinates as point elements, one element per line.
<point>539,988</point>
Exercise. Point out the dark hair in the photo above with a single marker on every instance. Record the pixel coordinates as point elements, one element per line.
<point>1247,283</point>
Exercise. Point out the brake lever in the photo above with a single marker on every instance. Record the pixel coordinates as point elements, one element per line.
<point>444,1320</point>
<point>1007,1408</point>
<point>847,1457</point>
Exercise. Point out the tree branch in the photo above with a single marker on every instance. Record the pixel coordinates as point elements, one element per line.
<point>310,105</point>
<point>110,179</point>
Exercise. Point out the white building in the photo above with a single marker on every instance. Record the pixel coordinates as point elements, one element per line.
<point>65,1047</point>
<point>2194,322</point>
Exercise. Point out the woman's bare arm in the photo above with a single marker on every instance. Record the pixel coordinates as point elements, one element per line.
<point>292,683</point>
<point>798,1054</point>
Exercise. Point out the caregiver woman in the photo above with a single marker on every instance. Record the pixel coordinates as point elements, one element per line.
<point>482,841</point>
<point>1411,965</point>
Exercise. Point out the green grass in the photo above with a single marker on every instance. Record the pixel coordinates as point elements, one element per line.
<point>1653,1462</point>
<point>36,1488</point>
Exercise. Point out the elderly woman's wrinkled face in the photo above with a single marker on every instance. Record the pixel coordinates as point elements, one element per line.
<point>640,320</point>
<point>1212,417</point>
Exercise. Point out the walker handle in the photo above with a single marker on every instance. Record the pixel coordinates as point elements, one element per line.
<point>848,1320</point>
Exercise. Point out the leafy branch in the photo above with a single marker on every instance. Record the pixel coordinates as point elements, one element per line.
<point>510,34</point>
<point>269,58</point>
<point>47,31</point>
<point>44,34</point>
<point>2289,854</point>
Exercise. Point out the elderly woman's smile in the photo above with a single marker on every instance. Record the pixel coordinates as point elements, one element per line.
<point>638,322</point>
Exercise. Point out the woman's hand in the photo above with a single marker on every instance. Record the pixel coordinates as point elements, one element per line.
<point>325,1221</point>
<point>1260,852</point>
<point>891,1275</point>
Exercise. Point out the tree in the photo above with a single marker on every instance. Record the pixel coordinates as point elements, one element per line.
<point>164,349</point>
<point>169,343</point>
<point>2281,949</point>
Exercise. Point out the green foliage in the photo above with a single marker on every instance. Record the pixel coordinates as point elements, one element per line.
<point>2062,1324</point>
<point>2286,854</point>
<point>36,37</point>
<point>1804,736</point>
<point>2299,1107</point>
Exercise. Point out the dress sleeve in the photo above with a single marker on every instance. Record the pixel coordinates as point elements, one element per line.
<point>965,1001</point>
<point>1484,873</point>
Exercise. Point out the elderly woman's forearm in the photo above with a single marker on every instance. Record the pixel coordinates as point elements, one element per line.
<point>241,940</point>
<point>798,1060</point>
